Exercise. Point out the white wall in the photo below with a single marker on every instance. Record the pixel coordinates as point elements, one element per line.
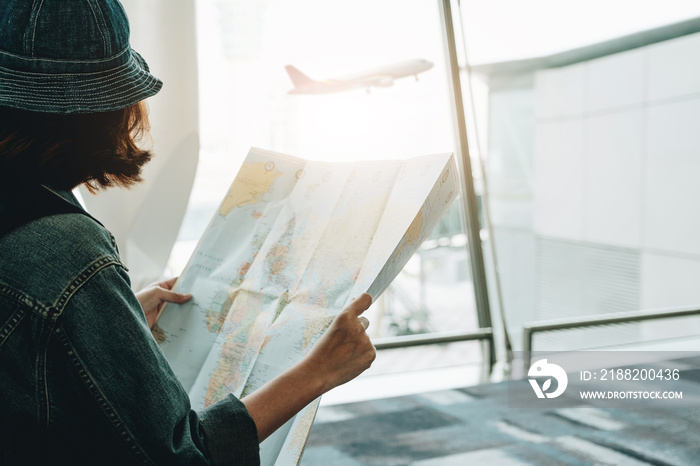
<point>146,219</point>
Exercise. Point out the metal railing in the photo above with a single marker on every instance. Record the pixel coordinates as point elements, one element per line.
<point>530,329</point>
<point>485,335</point>
<point>432,339</point>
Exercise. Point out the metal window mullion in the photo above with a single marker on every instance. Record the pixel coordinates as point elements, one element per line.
<point>470,209</point>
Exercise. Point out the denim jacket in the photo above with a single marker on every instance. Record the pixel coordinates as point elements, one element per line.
<point>82,380</point>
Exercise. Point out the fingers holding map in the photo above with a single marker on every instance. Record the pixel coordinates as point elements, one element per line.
<point>345,350</point>
<point>293,242</point>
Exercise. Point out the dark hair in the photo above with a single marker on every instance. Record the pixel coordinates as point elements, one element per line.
<point>65,151</point>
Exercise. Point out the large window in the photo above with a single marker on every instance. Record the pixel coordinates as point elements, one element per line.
<point>592,161</point>
<point>243,49</point>
<point>581,127</point>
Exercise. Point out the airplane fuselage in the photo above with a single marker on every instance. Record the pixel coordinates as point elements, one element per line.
<point>379,77</point>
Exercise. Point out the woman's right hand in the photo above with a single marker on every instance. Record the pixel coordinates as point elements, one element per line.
<point>345,350</point>
<point>340,355</point>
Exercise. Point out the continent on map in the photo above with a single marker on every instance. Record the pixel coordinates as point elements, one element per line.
<point>314,326</point>
<point>242,340</point>
<point>227,371</point>
<point>412,234</point>
<point>216,313</point>
<point>251,183</point>
<point>300,433</point>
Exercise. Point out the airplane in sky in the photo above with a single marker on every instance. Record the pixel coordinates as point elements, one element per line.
<point>380,77</point>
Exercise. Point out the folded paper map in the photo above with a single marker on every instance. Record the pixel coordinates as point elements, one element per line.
<point>292,243</point>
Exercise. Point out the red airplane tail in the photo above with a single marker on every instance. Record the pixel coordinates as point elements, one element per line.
<point>298,78</point>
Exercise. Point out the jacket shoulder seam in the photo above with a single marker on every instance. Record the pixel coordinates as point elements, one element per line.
<point>91,270</point>
<point>54,310</point>
<point>23,300</point>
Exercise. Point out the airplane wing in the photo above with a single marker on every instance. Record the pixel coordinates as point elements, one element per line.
<point>383,77</point>
<point>376,81</point>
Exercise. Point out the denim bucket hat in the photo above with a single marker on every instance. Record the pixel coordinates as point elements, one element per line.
<point>69,56</point>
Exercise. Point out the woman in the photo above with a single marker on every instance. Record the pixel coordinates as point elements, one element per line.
<point>82,381</point>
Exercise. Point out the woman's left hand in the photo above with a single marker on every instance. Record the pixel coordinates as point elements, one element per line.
<point>157,294</point>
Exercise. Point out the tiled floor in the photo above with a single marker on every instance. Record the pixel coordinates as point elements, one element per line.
<point>475,425</point>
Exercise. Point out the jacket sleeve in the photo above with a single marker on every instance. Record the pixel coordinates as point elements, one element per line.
<point>120,363</point>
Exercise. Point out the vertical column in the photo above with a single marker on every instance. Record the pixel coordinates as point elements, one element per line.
<point>471,214</point>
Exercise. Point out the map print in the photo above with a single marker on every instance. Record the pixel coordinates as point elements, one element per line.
<point>292,243</point>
